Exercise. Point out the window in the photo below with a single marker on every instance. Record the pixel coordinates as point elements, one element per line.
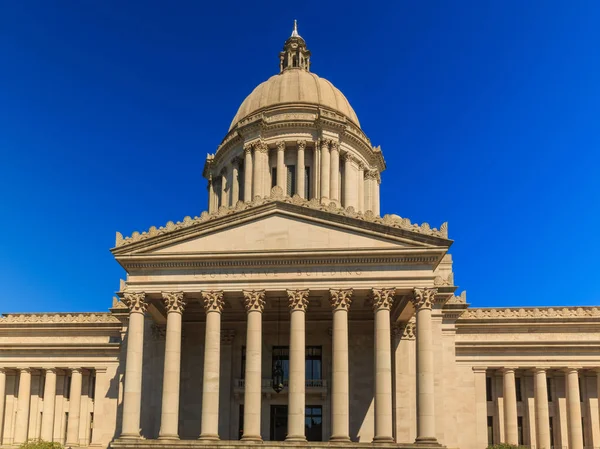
<point>243,373</point>
<point>291,180</point>
<point>91,430</point>
<point>549,388</point>
<point>66,427</point>
<point>313,362</point>
<point>307,183</point>
<point>92,388</point>
<point>241,182</point>
<point>580,390</point>
<point>241,422</point>
<point>313,419</point>
<point>67,394</point>
<point>282,353</point>
<point>488,389</point>
<point>518,389</point>
<point>490,430</point>
<point>520,429</point>
<point>273,177</point>
<point>218,193</point>
<point>42,386</point>
<point>551,433</point>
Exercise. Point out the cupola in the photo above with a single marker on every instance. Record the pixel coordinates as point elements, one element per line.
<point>295,55</point>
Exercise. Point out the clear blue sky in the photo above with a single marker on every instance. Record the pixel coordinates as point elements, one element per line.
<point>487,114</point>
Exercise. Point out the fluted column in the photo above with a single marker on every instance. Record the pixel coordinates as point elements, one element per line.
<point>235,180</point>
<point>316,172</point>
<point>510,407</point>
<point>370,182</point>
<point>376,201</point>
<point>74,408</point>
<point>298,301</point>
<point>247,173</point>
<point>22,424</point>
<point>256,169</point>
<point>340,301</point>
<point>213,306</point>
<point>300,169</point>
<point>334,189</point>
<point>542,419</point>
<point>574,409</point>
<point>132,395</point>
<point>423,300</point>
<point>47,431</point>
<point>360,182</point>
<point>224,186</point>
<point>211,195</point>
<point>325,163</point>
<point>254,302</point>
<point>382,302</point>
<point>281,172</point>
<point>350,186</point>
<point>169,418</point>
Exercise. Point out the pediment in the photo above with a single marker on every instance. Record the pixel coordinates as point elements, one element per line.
<point>279,232</point>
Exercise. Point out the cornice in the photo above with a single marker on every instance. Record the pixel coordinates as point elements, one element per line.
<point>277,196</point>
<point>58,318</point>
<point>536,313</point>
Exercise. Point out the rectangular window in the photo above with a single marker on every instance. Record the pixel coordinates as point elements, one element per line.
<point>92,387</point>
<point>584,431</point>
<point>490,430</point>
<point>518,389</point>
<point>241,185</point>
<point>243,373</point>
<point>291,180</point>
<point>488,389</point>
<point>307,183</point>
<point>241,422</point>
<point>580,390</point>
<point>520,429</point>
<point>91,432</point>
<point>67,393</point>
<point>551,433</point>
<point>313,362</point>
<point>66,427</point>
<point>273,177</point>
<point>549,388</point>
<point>314,422</point>
<point>42,386</point>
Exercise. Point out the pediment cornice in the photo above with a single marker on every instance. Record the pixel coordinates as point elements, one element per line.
<point>389,225</point>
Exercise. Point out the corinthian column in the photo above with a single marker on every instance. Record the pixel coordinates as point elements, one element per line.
<point>213,305</point>
<point>211,194</point>
<point>247,173</point>
<point>349,183</point>
<point>340,301</point>
<point>254,301</point>
<point>235,180</point>
<point>510,407</point>
<point>382,302</point>
<point>541,408</point>
<point>334,189</point>
<point>132,396</point>
<point>423,299</point>
<point>360,182</point>
<point>74,407</point>
<point>298,301</point>
<point>22,424</point>
<point>281,173</point>
<point>49,401</point>
<point>301,169</point>
<point>169,418</point>
<point>574,409</point>
<point>257,171</point>
<point>325,168</point>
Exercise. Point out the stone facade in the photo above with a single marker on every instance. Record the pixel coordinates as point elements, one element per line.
<point>291,313</point>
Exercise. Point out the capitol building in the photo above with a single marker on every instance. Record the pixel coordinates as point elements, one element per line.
<point>291,314</point>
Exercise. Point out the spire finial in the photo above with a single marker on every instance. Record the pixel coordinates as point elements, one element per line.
<point>295,32</point>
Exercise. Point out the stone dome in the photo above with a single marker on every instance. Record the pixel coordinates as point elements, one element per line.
<point>295,86</point>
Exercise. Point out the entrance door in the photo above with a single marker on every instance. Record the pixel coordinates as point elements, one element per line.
<point>278,422</point>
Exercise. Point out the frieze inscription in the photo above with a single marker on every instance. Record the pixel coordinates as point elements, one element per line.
<point>270,273</point>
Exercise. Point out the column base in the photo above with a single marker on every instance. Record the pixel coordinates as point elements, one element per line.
<point>295,439</point>
<point>252,438</point>
<point>168,437</point>
<point>383,439</point>
<point>340,439</point>
<point>427,440</point>
<point>209,437</point>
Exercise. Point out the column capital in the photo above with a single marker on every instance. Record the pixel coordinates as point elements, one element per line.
<point>280,145</point>
<point>236,162</point>
<point>324,144</point>
<point>340,299</point>
<point>254,300</point>
<point>508,369</point>
<point>540,369</point>
<point>25,370</point>
<point>76,370</point>
<point>135,302</point>
<point>260,146</point>
<point>423,298</point>
<point>383,298</point>
<point>298,299</point>
<point>213,301</point>
<point>247,148</point>
<point>335,146</point>
<point>479,369</point>
<point>570,369</point>
<point>301,144</point>
<point>50,370</point>
<point>174,302</point>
